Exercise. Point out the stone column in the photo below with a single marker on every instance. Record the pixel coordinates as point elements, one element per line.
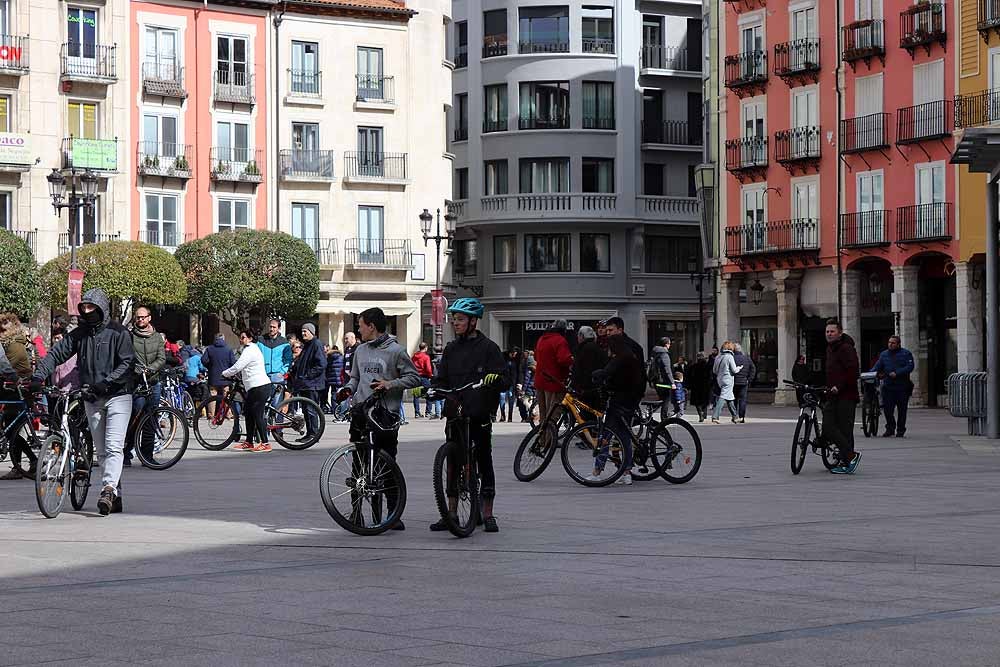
<point>729,310</point>
<point>852,304</point>
<point>194,330</point>
<point>786,284</point>
<point>905,288</point>
<point>970,317</point>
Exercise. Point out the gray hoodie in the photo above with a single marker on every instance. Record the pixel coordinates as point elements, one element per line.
<point>382,359</point>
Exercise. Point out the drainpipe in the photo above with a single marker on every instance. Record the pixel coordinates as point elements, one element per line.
<point>276,96</point>
<point>840,167</point>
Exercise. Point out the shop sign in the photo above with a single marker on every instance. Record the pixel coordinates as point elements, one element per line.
<point>15,148</point>
<point>95,154</point>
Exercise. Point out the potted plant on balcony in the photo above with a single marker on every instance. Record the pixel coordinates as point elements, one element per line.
<point>181,164</point>
<point>221,168</point>
<point>151,162</point>
<point>251,170</point>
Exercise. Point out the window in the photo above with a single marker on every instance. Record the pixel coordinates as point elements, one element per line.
<point>462,183</point>
<point>598,174</point>
<point>653,51</point>
<point>371,82</point>
<point>931,216</point>
<point>465,259</point>
<point>82,120</point>
<point>541,175</point>
<point>670,254</point>
<point>371,240</point>
<point>805,214</point>
<point>544,105</point>
<point>81,32</point>
<point>370,156</point>
<point>161,220</point>
<point>652,179</point>
<point>495,178</point>
<point>870,225</point>
<point>599,105</point>
<point>159,135</point>
<point>504,254</point>
<point>692,186</point>
<point>543,29</point>
<point>461,44</point>
<point>305,223</point>
<point>598,30</point>
<point>495,33</point>
<point>868,9</point>
<point>161,54</point>
<point>495,103</point>
<point>546,253</point>
<point>305,68</point>
<point>754,219</point>
<point>5,222</point>
<point>231,66</point>
<point>305,137</point>
<point>927,119</point>
<point>234,214</point>
<point>754,145</point>
<point>4,113</point>
<point>232,141</point>
<point>461,117</point>
<point>5,17</point>
<point>595,253</point>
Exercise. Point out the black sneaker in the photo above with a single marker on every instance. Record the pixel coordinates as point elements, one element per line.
<point>127,463</point>
<point>491,525</point>
<point>116,506</point>
<point>398,526</point>
<point>900,435</point>
<point>106,502</point>
<point>439,526</point>
<point>888,434</point>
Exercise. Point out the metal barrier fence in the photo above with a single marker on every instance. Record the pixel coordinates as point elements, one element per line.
<point>967,398</point>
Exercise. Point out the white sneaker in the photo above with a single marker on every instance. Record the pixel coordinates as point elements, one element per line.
<point>625,480</point>
<point>593,478</point>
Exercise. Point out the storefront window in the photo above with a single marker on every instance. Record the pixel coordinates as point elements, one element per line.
<point>683,336</point>
<point>761,344</point>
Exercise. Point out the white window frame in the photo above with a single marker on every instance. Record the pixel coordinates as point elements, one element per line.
<point>11,223</point>
<point>931,223</point>
<point>871,228</point>
<point>311,241</point>
<point>754,234</point>
<point>993,75</point>
<point>806,235</point>
<point>250,210</point>
<point>870,4</point>
<point>178,213</point>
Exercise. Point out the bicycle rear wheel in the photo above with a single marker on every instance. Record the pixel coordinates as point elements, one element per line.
<point>800,443</point>
<point>464,479</point>
<point>50,476</point>
<point>593,455</point>
<point>161,438</point>
<point>84,451</point>
<point>535,452</point>
<point>681,450</point>
<point>287,422</point>
<point>362,489</point>
<point>873,417</point>
<point>216,425</point>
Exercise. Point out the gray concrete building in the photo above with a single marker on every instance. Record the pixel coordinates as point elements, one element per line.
<point>575,131</point>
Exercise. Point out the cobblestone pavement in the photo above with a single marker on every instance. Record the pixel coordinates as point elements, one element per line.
<point>230,559</point>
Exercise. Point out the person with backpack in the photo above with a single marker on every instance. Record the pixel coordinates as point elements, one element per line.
<point>660,375</point>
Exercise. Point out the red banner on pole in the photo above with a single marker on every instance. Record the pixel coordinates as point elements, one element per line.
<point>74,291</point>
<point>437,307</point>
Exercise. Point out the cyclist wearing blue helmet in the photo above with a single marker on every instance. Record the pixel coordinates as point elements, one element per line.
<point>469,358</point>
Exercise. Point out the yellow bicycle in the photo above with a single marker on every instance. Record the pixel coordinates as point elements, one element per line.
<point>538,447</point>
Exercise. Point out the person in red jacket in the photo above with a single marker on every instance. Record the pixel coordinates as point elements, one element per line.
<point>553,361</point>
<point>842,373</point>
<point>425,370</point>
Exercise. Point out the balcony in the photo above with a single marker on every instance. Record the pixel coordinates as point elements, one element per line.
<point>865,229</point>
<point>570,205</point>
<point>237,165</point>
<point>461,57</point>
<point>297,164</point>
<point>865,133</point>
<point>598,122</point>
<point>864,40</point>
<point>668,209</point>
<point>977,109</point>
<point>233,87</point>
<point>933,120</point>
<point>88,63</point>
<point>746,158</point>
<point>305,84</point>
<point>671,58</point>
<point>598,45</point>
<point>989,18</point>
<point>27,236</point>
<point>163,79</point>
<point>922,25</point>
<point>13,55</point>
<point>498,125</point>
<point>924,223</point>
<point>461,134</point>
<point>494,45</point>
<point>544,46</point>
<point>376,89</point>
<point>97,154</point>
<point>84,239</point>
<point>798,148</point>
<point>746,73</point>
<point>167,238</point>
<point>797,61</point>
<point>782,237</point>
<point>371,167</point>
<point>559,122</point>
<point>672,133</point>
<point>327,254</point>
<point>164,160</point>
<point>393,254</point>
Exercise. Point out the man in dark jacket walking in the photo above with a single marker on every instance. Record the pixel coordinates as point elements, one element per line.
<point>894,366</point>
<point>104,360</point>
<point>217,358</point>
<point>310,376</point>
<point>741,383</point>
<point>842,373</point>
<point>334,372</point>
<point>589,357</point>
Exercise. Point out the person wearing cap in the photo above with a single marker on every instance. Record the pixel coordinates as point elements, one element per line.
<point>553,361</point>
<point>310,376</point>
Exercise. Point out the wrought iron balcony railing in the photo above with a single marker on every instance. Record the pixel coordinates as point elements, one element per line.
<point>797,144</point>
<point>237,164</point>
<point>305,83</point>
<point>376,166</point>
<point>160,159</point>
<point>165,238</point>
<point>658,56</point>
<point>327,254</point>
<point>84,61</point>
<point>864,229</point>
<point>865,133</point>
<point>989,16</point>
<point>673,132</point>
<point>28,236</point>
<point>976,109</point>
<point>746,153</point>
<point>297,163</point>
<point>234,87</point>
<point>924,222</point>
<point>598,122</point>
<point>746,69</point>
<point>376,88</point>
<point>933,120</point>
<point>498,125</point>
<point>773,237</point>
<point>598,45</point>
<point>378,253</point>
<point>163,78</point>
<point>543,46</point>
<point>494,45</point>
<point>84,239</point>
<point>799,56</point>
<point>863,40</point>
<point>922,24</point>
<point>461,134</point>
<point>559,122</point>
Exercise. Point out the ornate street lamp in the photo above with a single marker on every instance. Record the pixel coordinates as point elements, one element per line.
<point>756,292</point>
<point>83,198</point>
<point>699,273</point>
<point>426,219</point>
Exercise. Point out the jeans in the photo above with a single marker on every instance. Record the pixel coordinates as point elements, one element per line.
<point>838,425</point>
<point>717,411</point>
<point>742,392</point>
<point>278,396</point>
<point>895,400</point>
<point>312,417</point>
<point>108,419</point>
<point>426,382</point>
<point>617,420</point>
<point>254,413</point>
<point>140,403</point>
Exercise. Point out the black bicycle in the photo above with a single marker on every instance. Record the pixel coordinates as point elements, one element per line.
<point>361,486</point>
<point>809,429</point>
<point>22,423</point>
<point>870,407</point>
<point>456,473</point>
<point>66,456</point>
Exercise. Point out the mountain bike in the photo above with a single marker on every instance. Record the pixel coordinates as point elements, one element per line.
<point>66,457</point>
<point>870,407</point>
<point>809,429</point>
<point>361,486</point>
<point>217,424</point>
<point>157,434</point>
<point>539,446</point>
<point>23,423</point>
<point>456,473</point>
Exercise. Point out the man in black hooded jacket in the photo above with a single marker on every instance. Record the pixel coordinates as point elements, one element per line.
<point>104,360</point>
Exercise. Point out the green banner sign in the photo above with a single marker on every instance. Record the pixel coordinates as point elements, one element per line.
<point>95,154</point>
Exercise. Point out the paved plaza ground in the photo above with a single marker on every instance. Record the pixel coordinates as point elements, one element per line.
<point>230,559</point>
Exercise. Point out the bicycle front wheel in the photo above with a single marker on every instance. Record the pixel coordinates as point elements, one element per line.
<point>455,474</point>
<point>678,450</point>
<point>161,438</point>
<point>873,417</point>
<point>50,476</point>
<point>800,443</point>
<point>535,452</point>
<point>593,455</point>
<point>84,452</point>
<point>362,489</point>
<point>288,422</point>
<point>216,426</point>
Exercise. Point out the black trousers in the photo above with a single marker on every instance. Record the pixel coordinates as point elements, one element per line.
<point>254,413</point>
<point>482,435</point>
<point>312,417</point>
<point>895,400</point>
<point>386,441</point>
<point>18,445</point>
<point>838,425</point>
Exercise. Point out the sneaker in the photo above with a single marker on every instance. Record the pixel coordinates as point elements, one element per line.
<point>888,434</point>
<point>625,480</point>
<point>852,467</point>
<point>735,420</point>
<point>305,438</point>
<point>243,446</point>
<point>106,502</point>
<point>440,526</point>
<point>490,525</point>
<point>15,473</point>
<point>593,478</point>
<point>261,447</point>
<point>743,420</point>
<point>418,416</point>
<point>715,421</point>
<point>116,505</point>
<point>399,525</point>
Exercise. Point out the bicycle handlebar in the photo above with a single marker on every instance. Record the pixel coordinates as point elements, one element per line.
<point>433,392</point>
<point>807,388</point>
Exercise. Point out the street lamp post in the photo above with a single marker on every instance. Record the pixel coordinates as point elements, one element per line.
<point>425,227</point>
<point>83,198</point>
<point>699,273</point>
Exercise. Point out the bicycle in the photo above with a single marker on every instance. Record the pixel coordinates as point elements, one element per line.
<point>809,429</point>
<point>455,465</point>
<point>284,420</point>
<point>66,455</point>
<point>23,424</point>
<point>871,408</point>
<point>536,450</point>
<point>364,474</point>
<point>175,393</point>
<point>159,434</point>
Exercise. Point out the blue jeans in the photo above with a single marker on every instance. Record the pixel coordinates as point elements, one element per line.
<point>108,420</point>
<point>278,396</point>
<point>425,383</point>
<point>617,420</point>
<point>143,403</point>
